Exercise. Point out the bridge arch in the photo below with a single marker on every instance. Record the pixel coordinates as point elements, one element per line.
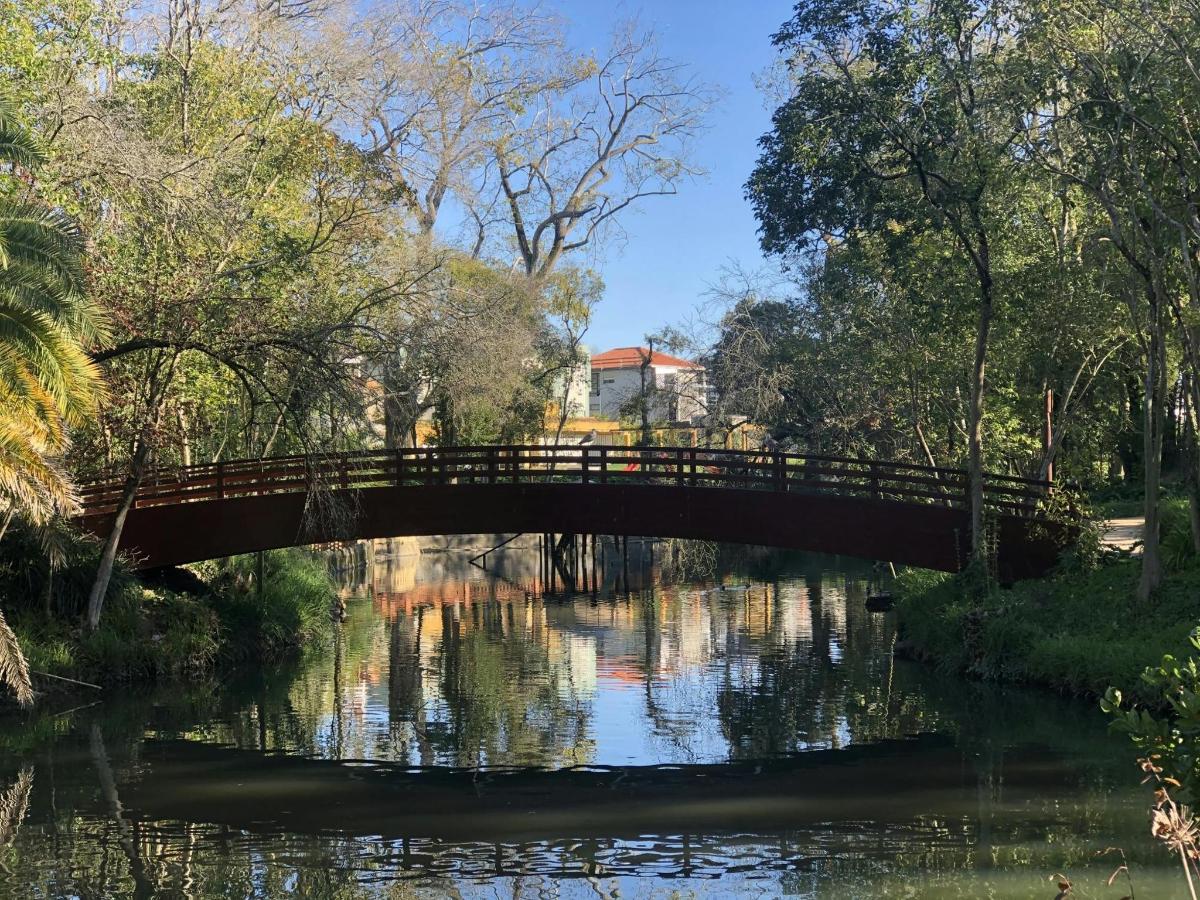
<point>907,514</point>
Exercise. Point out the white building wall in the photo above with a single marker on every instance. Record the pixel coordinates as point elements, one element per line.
<point>616,388</point>
<point>578,391</point>
<point>682,401</point>
<point>690,395</point>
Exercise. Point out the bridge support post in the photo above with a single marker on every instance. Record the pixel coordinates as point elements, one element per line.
<point>259,574</point>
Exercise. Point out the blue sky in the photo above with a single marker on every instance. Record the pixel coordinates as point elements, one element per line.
<point>676,246</point>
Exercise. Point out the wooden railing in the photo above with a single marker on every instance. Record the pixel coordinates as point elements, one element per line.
<point>523,464</point>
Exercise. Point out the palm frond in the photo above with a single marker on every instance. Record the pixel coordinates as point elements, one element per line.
<point>14,670</point>
<point>41,238</point>
<point>48,383</point>
<point>18,144</point>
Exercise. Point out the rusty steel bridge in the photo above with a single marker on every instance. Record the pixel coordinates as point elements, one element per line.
<point>898,512</point>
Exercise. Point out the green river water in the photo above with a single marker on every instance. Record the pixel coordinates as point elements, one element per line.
<point>745,734</point>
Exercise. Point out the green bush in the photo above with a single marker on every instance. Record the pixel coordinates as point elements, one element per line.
<point>156,634</point>
<point>1175,535</point>
<point>1077,631</point>
<point>143,636</point>
<point>293,611</point>
<point>1169,731</point>
<point>25,572</point>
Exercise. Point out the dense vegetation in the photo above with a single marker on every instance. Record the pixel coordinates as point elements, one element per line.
<point>989,212</point>
<point>156,630</point>
<point>988,208</point>
<point>264,228</point>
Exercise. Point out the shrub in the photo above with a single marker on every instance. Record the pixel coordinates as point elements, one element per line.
<point>1170,733</point>
<point>1175,535</point>
<point>1078,631</point>
<point>293,610</point>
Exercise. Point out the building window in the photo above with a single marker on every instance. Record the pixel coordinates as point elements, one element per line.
<point>595,382</point>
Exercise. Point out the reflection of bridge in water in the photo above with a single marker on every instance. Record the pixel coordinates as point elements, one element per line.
<point>908,514</point>
<point>689,731</point>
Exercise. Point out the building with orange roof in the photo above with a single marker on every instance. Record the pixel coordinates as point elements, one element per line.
<point>675,386</point>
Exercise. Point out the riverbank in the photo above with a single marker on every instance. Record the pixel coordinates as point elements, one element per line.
<point>789,688</point>
<point>188,625</point>
<point>1079,631</point>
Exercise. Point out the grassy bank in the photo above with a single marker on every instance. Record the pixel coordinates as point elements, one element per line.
<point>157,632</point>
<point>1078,631</point>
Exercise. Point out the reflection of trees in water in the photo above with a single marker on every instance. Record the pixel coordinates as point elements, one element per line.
<point>817,678</point>
<point>786,664</point>
<point>406,695</point>
<point>501,703</point>
<point>861,860</point>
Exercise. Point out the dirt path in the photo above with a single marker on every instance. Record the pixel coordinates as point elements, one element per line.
<point>1122,534</point>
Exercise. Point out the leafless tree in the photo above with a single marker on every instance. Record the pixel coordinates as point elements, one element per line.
<point>576,157</point>
<point>430,83</point>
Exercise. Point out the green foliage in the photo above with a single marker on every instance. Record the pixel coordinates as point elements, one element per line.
<point>155,634</point>
<point>1079,631</point>
<point>37,582</point>
<point>293,612</point>
<point>907,186</point>
<point>1178,549</point>
<point>1167,730</point>
<point>145,636</point>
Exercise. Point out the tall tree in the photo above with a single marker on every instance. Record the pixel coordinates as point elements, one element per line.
<point>1118,121</point>
<point>571,160</point>
<point>902,116</point>
<point>430,85</point>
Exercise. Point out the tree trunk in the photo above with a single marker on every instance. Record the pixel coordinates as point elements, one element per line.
<point>108,555</point>
<point>975,427</point>
<point>1048,443</point>
<point>1191,453</point>
<point>160,380</point>
<point>185,443</point>
<point>1152,447</point>
<point>643,371</point>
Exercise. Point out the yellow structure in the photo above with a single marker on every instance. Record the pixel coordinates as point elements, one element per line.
<point>612,433</point>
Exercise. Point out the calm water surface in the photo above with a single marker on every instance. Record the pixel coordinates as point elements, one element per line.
<point>749,733</point>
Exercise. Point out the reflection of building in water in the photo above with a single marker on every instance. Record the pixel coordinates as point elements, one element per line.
<point>473,666</point>
<point>684,627</point>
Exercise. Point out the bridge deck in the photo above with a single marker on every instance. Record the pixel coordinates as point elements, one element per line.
<point>902,512</point>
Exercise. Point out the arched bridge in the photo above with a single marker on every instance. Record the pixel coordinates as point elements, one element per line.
<point>908,514</point>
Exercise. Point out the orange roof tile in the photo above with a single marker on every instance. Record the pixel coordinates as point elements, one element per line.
<point>632,357</point>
